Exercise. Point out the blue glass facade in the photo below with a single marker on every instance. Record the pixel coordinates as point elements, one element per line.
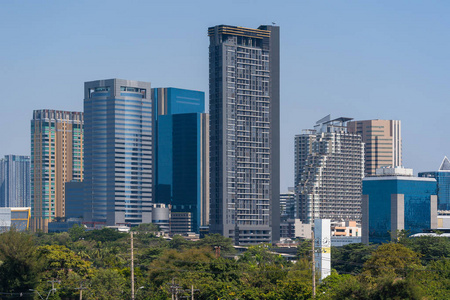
<point>118,151</point>
<point>443,187</point>
<point>416,206</point>
<point>15,181</point>
<point>74,199</point>
<point>180,151</point>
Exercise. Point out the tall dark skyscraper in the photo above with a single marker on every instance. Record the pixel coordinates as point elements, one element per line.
<point>181,152</point>
<point>244,94</point>
<point>118,151</point>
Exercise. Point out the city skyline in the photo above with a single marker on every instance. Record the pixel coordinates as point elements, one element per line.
<point>341,59</point>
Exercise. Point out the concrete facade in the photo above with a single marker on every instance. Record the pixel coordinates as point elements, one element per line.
<point>382,141</point>
<point>329,167</point>
<point>244,84</point>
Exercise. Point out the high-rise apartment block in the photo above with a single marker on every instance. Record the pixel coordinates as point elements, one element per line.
<point>287,204</point>
<point>118,151</point>
<point>329,167</point>
<point>15,181</point>
<point>383,143</point>
<point>442,177</point>
<point>181,151</point>
<point>244,89</point>
<point>56,158</point>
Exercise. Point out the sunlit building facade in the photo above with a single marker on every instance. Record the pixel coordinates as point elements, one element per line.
<point>15,181</point>
<point>329,168</point>
<point>442,177</point>
<point>56,158</point>
<point>181,147</point>
<point>118,152</point>
<point>244,94</point>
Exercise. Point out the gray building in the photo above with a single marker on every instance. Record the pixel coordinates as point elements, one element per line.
<point>329,167</point>
<point>15,181</point>
<point>118,151</point>
<point>244,107</point>
<point>287,205</point>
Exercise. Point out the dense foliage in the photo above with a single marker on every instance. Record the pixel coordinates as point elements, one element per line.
<point>98,264</point>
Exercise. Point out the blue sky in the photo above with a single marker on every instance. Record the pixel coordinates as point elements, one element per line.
<point>360,59</point>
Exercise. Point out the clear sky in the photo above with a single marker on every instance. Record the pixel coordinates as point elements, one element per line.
<point>359,59</point>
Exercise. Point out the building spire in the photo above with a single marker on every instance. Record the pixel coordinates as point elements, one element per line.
<point>445,165</point>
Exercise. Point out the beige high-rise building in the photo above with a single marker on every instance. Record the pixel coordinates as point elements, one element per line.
<point>383,143</point>
<point>56,158</point>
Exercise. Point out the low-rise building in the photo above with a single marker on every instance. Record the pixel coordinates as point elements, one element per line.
<point>346,228</point>
<point>15,217</point>
<point>294,228</point>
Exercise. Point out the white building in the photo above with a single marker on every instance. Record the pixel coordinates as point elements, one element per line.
<point>329,167</point>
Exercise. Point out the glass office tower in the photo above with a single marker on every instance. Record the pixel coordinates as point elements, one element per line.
<point>15,181</point>
<point>182,154</point>
<point>442,177</point>
<point>394,203</point>
<point>118,152</point>
<point>56,158</point>
<point>244,95</point>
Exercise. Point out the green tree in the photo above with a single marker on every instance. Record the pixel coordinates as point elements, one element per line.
<point>178,242</point>
<point>389,288</point>
<point>107,284</point>
<point>435,279</point>
<point>304,249</point>
<point>350,258</point>
<point>391,260</point>
<point>217,240</point>
<point>105,235</point>
<point>19,262</point>
<point>431,247</point>
<point>146,227</point>
<point>342,287</point>
<point>59,261</point>
<point>77,232</point>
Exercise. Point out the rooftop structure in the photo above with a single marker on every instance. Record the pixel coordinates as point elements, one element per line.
<point>397,171</point>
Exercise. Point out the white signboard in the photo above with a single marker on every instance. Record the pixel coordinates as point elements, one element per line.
<point>322,239</point>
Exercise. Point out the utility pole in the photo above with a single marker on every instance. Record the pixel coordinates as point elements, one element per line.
<point>174,289</point>
<point>81,288</point>
<point>53,285</point>
<point>313,265</point>
<point>132,267</point>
